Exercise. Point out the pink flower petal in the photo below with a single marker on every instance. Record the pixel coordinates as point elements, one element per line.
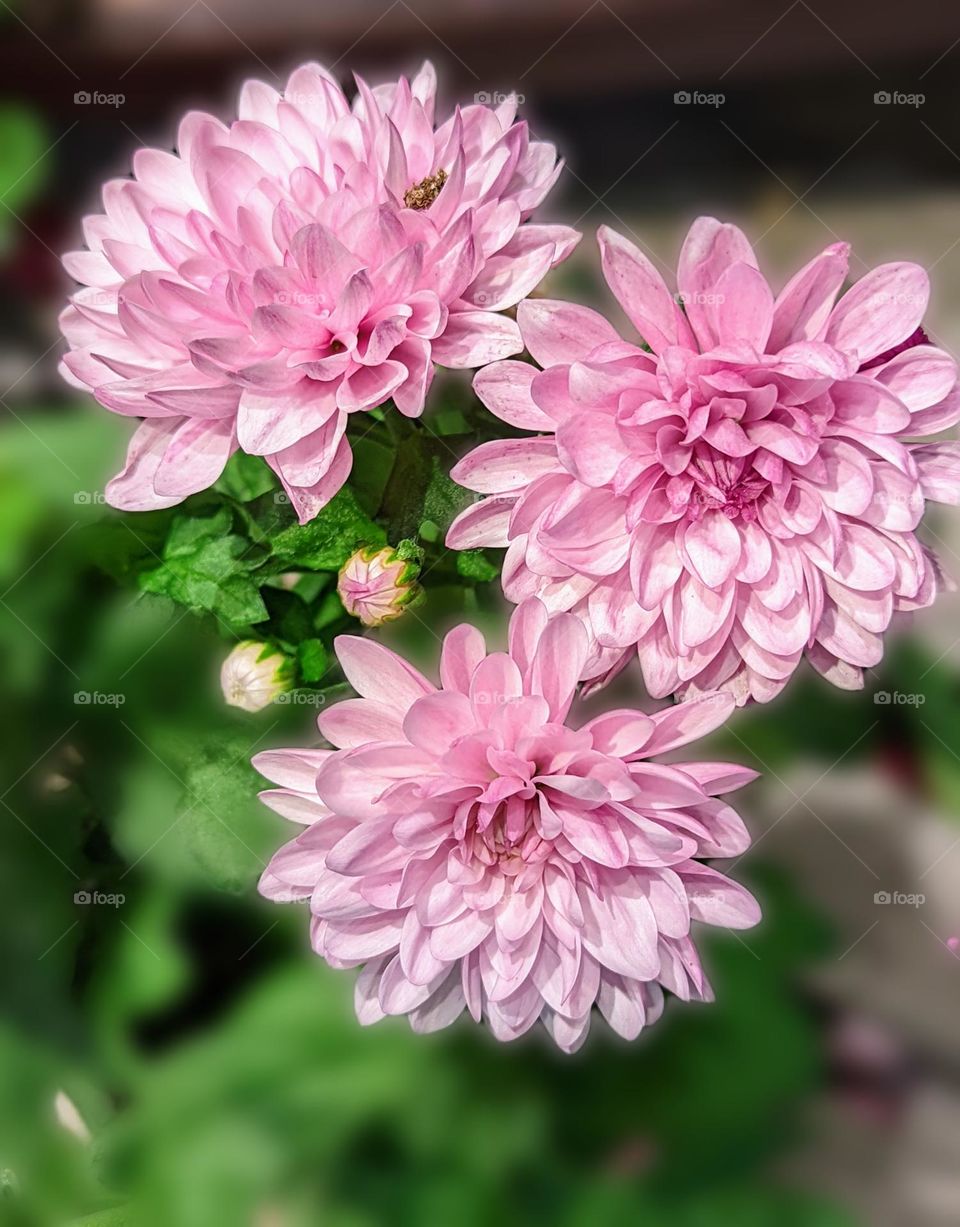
<point>939,467</point>
<point>564,332</point>
<point>474,338</point>
<point>882,309</point>
<point>713,545</point>
<point>133,489</point>
<point>504,465</point>
<point>641,291</point>
<point>804,304</point>
<point>709,250</point>
<point>504,387</point>
<point>379,674</point>
<point>486,523</point>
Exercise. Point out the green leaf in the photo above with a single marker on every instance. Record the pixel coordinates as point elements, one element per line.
<point>246,477</point>
<point>450,421</point>
<point>474,564</point>
<point>444,499</point>
<point>223,824</point>
<point>205,568</point>
<point>329,612</point>
<point>372,465</point>
<point>189,533</point>
<point>329,539</point>
<point>313,659</point>
<point>290,618</point>
<point>123,545</point>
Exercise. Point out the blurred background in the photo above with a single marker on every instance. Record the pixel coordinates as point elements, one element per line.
<point>172,1053</point>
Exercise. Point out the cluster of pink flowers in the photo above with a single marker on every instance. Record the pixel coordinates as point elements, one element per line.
<point>733,490</point>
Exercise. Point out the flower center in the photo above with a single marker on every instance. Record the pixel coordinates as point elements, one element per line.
<point>728,486</point>
<point>509,840</point>
<point>423,194</point>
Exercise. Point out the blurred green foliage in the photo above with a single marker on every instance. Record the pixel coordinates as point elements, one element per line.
<point>23,146</point>
<point>174,1054</point>
<point>214,1060</point>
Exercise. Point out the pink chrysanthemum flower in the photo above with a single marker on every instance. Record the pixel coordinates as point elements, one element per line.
<point>741,496</point>
<point>311,260</point>
<point>467,848</point>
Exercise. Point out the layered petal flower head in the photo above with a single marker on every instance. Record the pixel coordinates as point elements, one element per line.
<point>741,492</point>
<point>310,260</point>
<point>468,849</point>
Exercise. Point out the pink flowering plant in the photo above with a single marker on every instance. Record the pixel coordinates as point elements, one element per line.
<point>731,485</point>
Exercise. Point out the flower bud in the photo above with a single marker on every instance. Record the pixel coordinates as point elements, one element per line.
<point>376,585</point>
<point>254,675</point>
<point>69,1118</point>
